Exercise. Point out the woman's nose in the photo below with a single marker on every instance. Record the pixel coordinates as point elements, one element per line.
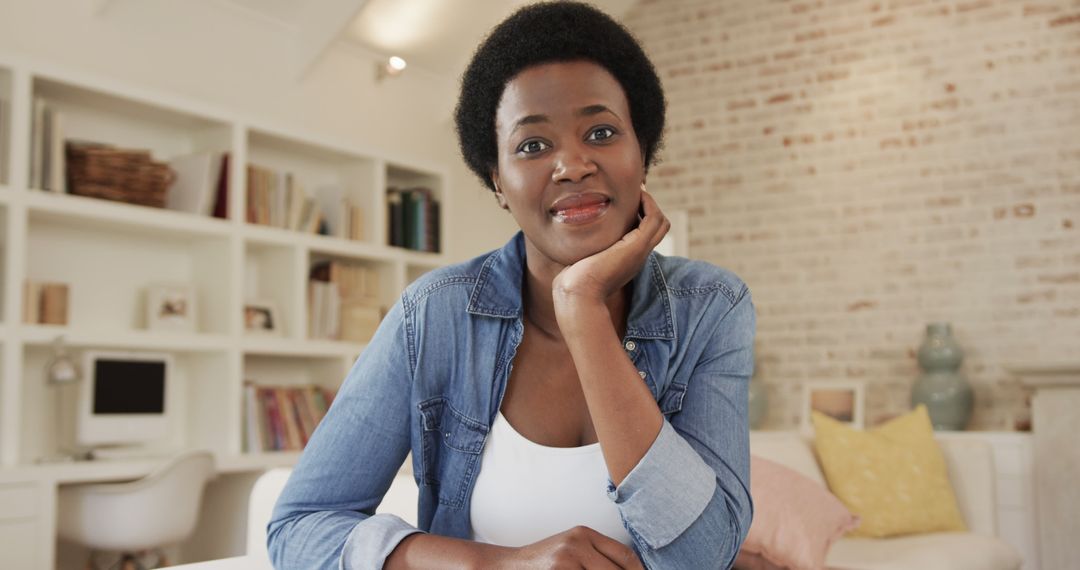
<point>572,164</point>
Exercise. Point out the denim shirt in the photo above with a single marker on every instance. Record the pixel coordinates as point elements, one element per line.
<point>432,380</point>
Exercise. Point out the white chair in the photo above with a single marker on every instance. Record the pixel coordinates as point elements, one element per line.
<point>158,510</point>
<point>401,499</point>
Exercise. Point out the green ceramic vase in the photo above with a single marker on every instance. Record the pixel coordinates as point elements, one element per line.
<point>946,393</point>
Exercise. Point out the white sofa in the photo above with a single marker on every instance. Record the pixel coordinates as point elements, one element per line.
<point>971,472</point>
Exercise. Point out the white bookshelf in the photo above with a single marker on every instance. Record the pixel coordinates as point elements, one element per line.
<point>109,252</point>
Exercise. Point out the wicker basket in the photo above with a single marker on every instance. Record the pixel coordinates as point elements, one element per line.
<point>101,171</point>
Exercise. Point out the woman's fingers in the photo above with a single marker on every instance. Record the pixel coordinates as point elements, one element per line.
<point>654,224</point>
<point>616,553</point>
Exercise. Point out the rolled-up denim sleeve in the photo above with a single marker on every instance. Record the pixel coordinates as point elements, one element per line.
<point>325,516</point>
<point>687,503</point>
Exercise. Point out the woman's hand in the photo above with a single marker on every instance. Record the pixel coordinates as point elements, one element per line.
<point>579,547</point>
<point>596,277</point>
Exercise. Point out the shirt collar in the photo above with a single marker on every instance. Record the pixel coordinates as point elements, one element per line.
<point>497,292</point>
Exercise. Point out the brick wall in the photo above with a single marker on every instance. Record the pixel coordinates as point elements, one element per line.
<point>871,166</point>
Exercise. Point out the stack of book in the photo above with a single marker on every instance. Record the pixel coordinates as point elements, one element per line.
<point>343,302</point>
<point>276,199</point>
<point>47,155</point>
<point>5,138</point>
<point>45,303</point>
<point>414,218</point>
<point>282,418</point>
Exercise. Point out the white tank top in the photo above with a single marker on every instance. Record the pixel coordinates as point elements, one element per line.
<point>526,492</point>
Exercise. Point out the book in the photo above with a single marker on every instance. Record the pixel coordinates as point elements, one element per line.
<point>31,302</point>
<point>282,418</point>
<point>54,304</point>
<point>57,169</point>
<point>37,136</point>
<point>394,211</point>
<point>221,200</point>
<point>5,139</point>
<point>196,179</point>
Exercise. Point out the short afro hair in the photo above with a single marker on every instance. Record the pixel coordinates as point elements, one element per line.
<point>554,32</point>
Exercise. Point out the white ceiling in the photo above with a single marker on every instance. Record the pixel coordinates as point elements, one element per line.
<point>438,36</point>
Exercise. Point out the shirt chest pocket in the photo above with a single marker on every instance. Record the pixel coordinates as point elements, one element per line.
<point>452,444</point>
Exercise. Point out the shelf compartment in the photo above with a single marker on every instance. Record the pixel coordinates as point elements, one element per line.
<point>404,178</point>
<point>108,271</point>
<point>379,282</point>
<point>194,390</point>
<point>326,373</point>
<point>324,173</point>
<point>271,276</point>
<point>130,123</point>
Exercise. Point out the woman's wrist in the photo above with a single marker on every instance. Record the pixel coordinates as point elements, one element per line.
<point>431,551</point>
<point>580,315</point>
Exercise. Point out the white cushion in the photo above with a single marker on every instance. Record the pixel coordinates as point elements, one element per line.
<point>790,450</point>
<point>935,551</point>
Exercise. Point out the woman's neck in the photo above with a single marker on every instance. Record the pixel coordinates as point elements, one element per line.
<point>539,306</point>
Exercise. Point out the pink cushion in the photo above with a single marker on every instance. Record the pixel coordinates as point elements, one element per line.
<point>796,520</point>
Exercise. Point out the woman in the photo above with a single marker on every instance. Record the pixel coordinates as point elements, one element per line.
<point>570,400</point>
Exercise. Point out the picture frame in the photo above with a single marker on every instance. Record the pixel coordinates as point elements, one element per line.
<point>171,307</point>
<point>262,318</point>
<point>842,400</point>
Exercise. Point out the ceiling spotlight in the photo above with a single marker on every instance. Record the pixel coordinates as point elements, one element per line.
<point>391,68</point>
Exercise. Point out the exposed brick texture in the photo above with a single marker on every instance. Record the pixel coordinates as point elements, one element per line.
<point>871,166</point>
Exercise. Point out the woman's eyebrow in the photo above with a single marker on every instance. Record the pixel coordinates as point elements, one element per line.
<point>587,111</point>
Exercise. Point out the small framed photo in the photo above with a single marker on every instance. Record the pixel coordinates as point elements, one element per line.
<point>843,401</point>
<point>170,307</point>
<point>261,317</point>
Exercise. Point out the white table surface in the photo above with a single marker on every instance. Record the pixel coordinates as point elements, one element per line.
<point>237,563</point>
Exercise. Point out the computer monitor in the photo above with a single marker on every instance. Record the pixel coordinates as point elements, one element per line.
<point>123,398</point>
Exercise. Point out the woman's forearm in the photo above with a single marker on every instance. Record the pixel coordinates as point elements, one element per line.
<point>623,410</point>
<point>431,551</point>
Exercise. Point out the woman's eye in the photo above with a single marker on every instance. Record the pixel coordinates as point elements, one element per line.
<point>602,133</point>
<point>532,147</point>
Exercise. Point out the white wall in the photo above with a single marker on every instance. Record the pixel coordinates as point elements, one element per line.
<point>240,61</point>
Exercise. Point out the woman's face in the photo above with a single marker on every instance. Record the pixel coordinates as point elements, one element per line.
<point>570,167</point>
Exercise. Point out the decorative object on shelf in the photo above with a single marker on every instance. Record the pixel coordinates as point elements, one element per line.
<point>45,303</point>
<point>946,393</point>
<point>843,401</point>
<point>170,307</point>
<point>102,171</point>
<point>260,317</point>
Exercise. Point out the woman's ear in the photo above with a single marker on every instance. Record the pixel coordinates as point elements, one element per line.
<point>499,197</point>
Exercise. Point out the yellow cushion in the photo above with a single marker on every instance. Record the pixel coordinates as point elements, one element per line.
<point>893,476</point>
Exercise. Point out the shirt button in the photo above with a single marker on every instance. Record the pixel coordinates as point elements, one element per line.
<point>630,345</point>
<point>641,373</point>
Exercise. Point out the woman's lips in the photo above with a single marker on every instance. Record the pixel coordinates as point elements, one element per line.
<point>580,208</point>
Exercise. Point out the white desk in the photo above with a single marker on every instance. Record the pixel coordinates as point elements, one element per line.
<point>237,563</point>
<point>28,496</point>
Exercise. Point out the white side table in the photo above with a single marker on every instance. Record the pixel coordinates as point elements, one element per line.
<point>1055,424</point>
